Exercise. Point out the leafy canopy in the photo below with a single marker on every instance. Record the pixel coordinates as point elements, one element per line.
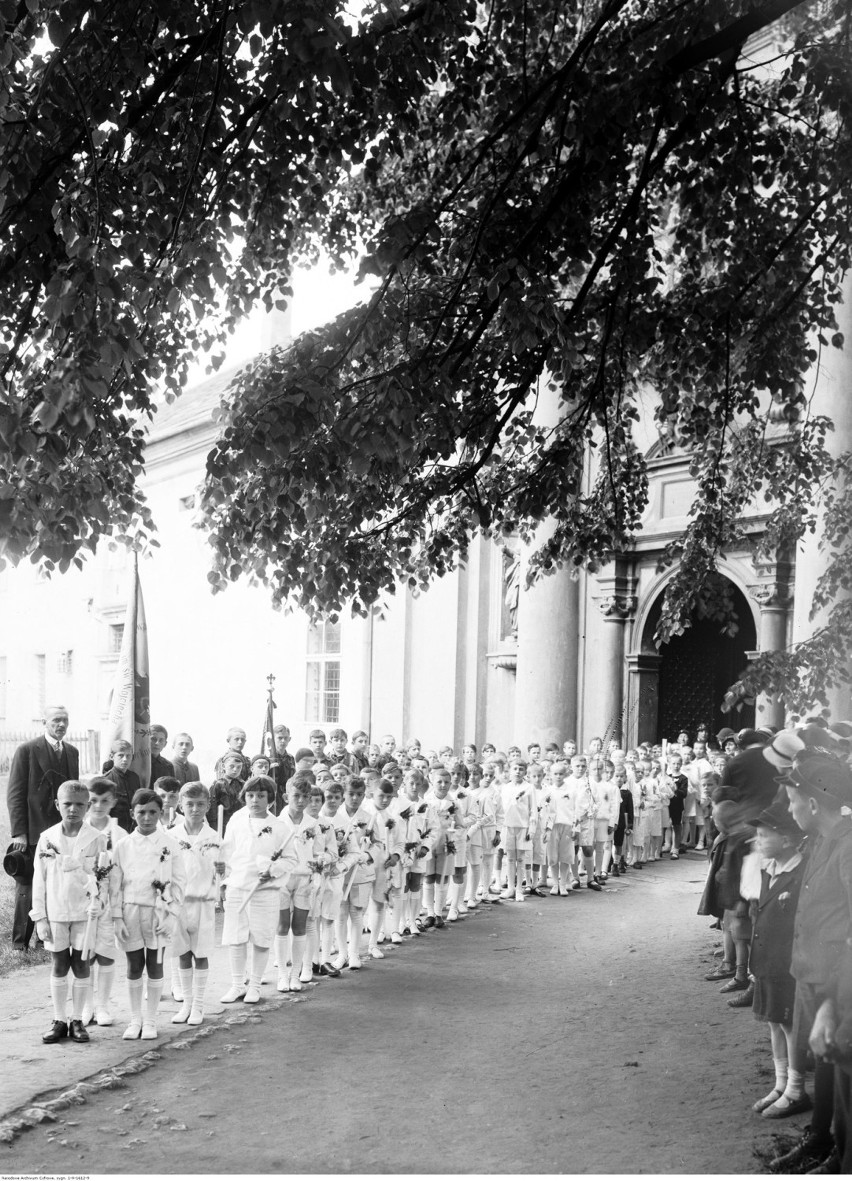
<point>603,199</point>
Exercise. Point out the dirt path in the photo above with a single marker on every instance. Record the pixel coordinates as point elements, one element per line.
<point>558,1036</point>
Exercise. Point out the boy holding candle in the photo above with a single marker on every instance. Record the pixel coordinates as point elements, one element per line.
<point>151,876</point>
<point>101,803</point>
<point>196,921</point>
<point>64,890</point>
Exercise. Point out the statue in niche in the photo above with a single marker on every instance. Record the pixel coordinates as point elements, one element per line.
<point>511,594</point>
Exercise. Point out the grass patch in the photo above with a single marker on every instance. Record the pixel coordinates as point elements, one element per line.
<point>11,960</point>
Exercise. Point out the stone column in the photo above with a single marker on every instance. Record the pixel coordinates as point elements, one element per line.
<point>616,599</point>
<point>832,397</point>
<point>548,643</point>
<point>548,635</point>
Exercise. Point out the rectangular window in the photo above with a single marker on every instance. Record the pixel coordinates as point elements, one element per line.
<point>116,635</point>
<point>65,663</point>
<point>322,681</point>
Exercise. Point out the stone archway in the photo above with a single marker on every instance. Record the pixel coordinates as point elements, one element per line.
<point>682,683</point>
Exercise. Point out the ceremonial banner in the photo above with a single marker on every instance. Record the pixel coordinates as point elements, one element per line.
<point>130,709</point>
<point>267,738</point>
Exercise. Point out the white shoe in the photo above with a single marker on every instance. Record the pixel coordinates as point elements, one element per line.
<point>453,914</point>
<point>87,1014</point>
<point>252,996</point>
<point>103,1017</point>
<point>340,963</point>
<point>182,1015</point>
<point>380,938</point>
<point>519,896</point>
<point>554,890</point>
<point>463,907</point>
<point>376,954</point>
<point>396,937</point>
<point>178,996</point>
<point>196,1015</point>
<point>471,904</point>
<point>284,982</point>
<point>133,1031</point>
<point>149,1031</point>
<point>235,993</point>
<point>306,976</point>
<point>355,963</point>
<point>507,893</point>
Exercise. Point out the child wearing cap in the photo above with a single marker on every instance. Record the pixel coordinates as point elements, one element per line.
<point>777,838</point>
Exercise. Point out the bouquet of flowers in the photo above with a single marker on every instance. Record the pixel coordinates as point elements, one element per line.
<point>264,866</point>
<point>100,873</point>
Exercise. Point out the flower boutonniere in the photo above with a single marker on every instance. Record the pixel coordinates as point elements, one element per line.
<point>208,845</point>
<point>389,824</point>
<point>422,808</point>
<point>405,814</point>
<point>460,795</point>
<point>520,795</point>
<point>784,899</point>
<point>451,810</point>
<point>165,853</point>
<point>185,845</point>
<point>49,850</point>
<point>451,848</point>
<point>309,834</point>
<point>265,831</point>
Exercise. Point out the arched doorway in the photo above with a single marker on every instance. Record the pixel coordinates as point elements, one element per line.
<point>697,667</point>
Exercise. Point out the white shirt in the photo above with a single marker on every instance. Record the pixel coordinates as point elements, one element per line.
<point>142,860</point>
<point>63,874</point>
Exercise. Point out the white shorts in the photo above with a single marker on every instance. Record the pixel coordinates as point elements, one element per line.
<point>196,928</point>
<point>514,840</point>
<point>602,833</point>
<point>140,921</point>
<point>296,893</point>
<point>359,897</point>
<point>655,825</point>
<point>105,944</point>
<point>257,922</point>
<point>65,935</point>
<point>474,853</point>
<point>538,855</point>
<point>487,836</point>
<point>586,829</point>
<point>560,846</point>
<point>439,866</point>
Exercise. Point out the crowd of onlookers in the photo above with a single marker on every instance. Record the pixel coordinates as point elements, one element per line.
<point>313,849</point>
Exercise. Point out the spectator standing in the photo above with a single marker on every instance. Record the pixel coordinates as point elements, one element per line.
<point>38,768</point>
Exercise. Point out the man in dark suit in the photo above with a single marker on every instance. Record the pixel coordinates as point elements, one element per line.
<point>38,768</point>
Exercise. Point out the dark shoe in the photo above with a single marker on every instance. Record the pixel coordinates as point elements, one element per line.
<point>622,865</point>
<point>535,890</point>
<point>720,973</point>
<point>430,921</point>
<point>77,1032</point>
<point>328,969</point>
<point>616,872</point>
<point>744,1000</point>
<point>810,1151</point>
<point>56,1033</point>
<point>784,1107</point>
<point>593,886</point>
<point>831,1164</point>
<point>439,922</point>
<point>638,865</point>
<point>735,985</point>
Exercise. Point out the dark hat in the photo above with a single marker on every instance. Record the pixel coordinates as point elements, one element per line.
<point>750,737</point>
<point>767,732</point>
<point>777,817</point>
<point>725,733</point>
<point>18,864</point>
<point>817,771</point>
<point>817,736</point>
<point>304,752</point>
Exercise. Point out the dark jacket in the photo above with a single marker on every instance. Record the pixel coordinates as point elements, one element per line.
<point>34,777</point>
<point>774,918</point>
<point>126,786</point>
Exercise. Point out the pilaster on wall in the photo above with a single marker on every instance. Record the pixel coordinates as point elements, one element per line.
<point>615,597</point>
<point>773,593</point>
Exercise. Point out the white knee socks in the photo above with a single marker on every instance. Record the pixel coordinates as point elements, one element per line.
<point>59,997</point>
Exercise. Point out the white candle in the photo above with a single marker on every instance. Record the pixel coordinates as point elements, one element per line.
<point>220,820</point>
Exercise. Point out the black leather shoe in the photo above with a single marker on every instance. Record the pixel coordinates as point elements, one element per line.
<point>810,1151</point>
<point>429,921</point>
<point>744,999</point>
<point>56,1033</point>
<point>328,969</point>
<point>593,886</point>
<point>439,921</point>
<point>77,1032</point>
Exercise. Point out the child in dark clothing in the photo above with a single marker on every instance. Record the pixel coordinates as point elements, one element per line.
<point>625,821</point>
<point>126,782</point>
<point>776,841</point>
<point>226,791</point>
